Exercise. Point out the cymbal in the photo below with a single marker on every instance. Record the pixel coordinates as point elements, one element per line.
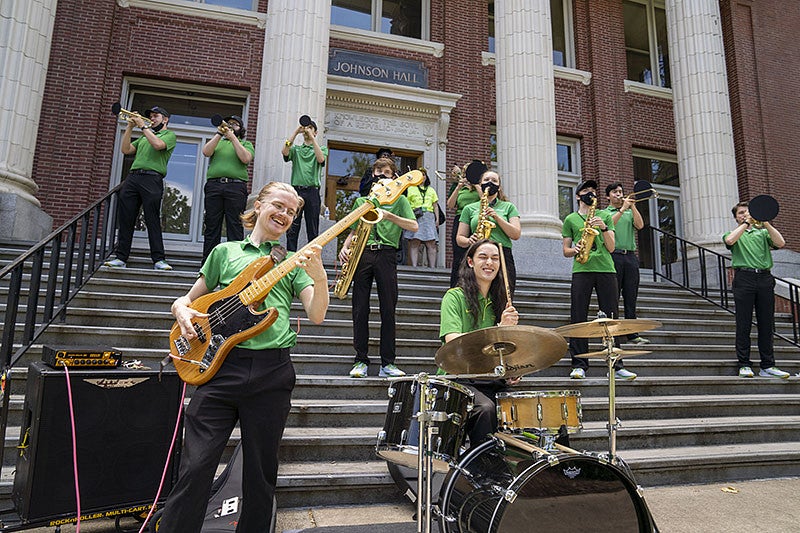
<point>619,353</point>
<point>525,349</point>
<point>614,327</point>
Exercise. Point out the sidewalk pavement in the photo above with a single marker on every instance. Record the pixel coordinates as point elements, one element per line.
<point>771,505</point>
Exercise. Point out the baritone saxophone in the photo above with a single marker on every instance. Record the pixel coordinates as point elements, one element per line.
<point>357,244</point>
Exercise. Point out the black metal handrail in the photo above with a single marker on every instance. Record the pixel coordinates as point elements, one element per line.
<point>82,244</point>
<point>704,272</point>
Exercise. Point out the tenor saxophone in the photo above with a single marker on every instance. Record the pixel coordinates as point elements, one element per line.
<point>357,244</point>
<point>484,226</point>
<point>588,235</point>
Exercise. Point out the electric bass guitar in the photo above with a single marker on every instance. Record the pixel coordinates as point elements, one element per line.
<point>233,315</point>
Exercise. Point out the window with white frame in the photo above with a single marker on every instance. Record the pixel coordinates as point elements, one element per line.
<point>569,174</point>
<point>405,18</point>
<point>646,47</point>
<point>561,28</point>
<point>249,5</point>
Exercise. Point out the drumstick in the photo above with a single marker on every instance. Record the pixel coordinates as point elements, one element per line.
<point>508,439</point>
<point>555,444</point>
<point>505,273</point>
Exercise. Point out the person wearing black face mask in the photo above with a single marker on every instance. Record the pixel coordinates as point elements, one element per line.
<point>502,213</point>
<point>598,274</point>
<point>226,183</point>
<point>144,185</point>
<point>368,180</point>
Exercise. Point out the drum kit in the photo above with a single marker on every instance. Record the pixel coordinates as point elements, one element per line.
<point>525,476</point>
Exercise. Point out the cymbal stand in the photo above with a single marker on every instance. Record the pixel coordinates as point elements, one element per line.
<point>613,421</point>
<point>424,456</point>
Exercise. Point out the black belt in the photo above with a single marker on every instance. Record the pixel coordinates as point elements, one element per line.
<point>146,172</point>
<point>623,252</point>
<point>304,187</point>
<point>753,270</point>
<point>225,180</point>
<point>376,247</point>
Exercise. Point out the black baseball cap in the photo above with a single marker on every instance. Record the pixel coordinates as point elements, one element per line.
<point>586,184</point>
<point>237,118</point>
<point>383,151</point>
<point>156,109</point>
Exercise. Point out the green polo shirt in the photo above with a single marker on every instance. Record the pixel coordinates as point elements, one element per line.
<point>456,316</point>
<point>624,232</point>
<point>425,199</point>
<point>752,250</point>
<point>227,260</point>
<point>506,211</point>
<point>224,162</point>
<point>465,197</point>
<point>385,232</point>
<point>600,259</point>
<point>305,168</point>
<point>148,158</point>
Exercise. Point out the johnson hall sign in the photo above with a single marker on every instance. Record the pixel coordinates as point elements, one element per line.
<point>377,68</point>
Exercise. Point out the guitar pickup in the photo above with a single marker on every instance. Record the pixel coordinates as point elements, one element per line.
<point>201,335</point>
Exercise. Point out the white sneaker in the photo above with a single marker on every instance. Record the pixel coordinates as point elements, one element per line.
<point>772,372</point>
<point>624,373</point>
<point>746,372</point>
<point>577,373</point>
<point>115,263</point>
<point>359,370</point>
<point>391,371</point>
<point>162,265</point>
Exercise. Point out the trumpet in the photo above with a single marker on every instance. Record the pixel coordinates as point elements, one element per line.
<point>126,115</point>
<point>222,126</point>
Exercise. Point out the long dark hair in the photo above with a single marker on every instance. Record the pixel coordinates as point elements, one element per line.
<point>469,284</point>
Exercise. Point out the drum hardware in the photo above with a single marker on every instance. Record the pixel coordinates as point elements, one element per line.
<point>618,352</point>
<point>501,351</point>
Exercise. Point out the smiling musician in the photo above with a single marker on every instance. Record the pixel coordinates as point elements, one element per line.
<point>254,384</point>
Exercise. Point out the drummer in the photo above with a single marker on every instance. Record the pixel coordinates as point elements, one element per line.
<point>479,301</point>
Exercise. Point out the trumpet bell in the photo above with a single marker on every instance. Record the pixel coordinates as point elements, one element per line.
<point>763,208</point>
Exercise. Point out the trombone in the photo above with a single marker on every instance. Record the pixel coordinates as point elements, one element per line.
<point>642,187</point>
<point>126,115</point>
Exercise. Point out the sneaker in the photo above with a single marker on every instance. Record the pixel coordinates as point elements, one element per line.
<point>638,340</point>
<point>772,372</point>
<point>115,263</point>
<point>746,372</point>
<point>625,374</point>
<point>162,265</point>
<point>577,373</point>
<point>359,370</point>
<point>390,371</point>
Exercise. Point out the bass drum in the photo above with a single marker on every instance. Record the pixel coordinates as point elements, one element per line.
<point>501,489</point>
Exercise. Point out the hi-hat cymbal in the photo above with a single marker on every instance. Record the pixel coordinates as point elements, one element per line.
<point>525,349</point>
<point>601,327</point>
<point>618,353</point>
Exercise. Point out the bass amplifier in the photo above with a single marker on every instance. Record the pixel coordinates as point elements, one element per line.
<point>81,357</point>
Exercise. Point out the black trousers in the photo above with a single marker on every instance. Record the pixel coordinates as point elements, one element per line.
<point>627,266</point>
<point>310,213</point>
<point>141,189</point>
<point>227,200</point>
<point>380,265</point>
<point>583,283</point>
<point>753,290</point>
<point>254,388</point>
<point>482,420</point>
<point>458,254</point>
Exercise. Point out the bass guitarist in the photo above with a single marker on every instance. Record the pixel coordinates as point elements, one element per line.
<point>254,383</point>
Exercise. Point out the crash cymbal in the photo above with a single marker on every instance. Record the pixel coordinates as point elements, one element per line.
<point>618,353</point>
<point>614,327</point>
<point>525,349</point>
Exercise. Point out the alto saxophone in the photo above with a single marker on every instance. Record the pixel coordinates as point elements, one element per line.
<point>588,235</point>
<point>357,244</point>
<point>485,226</point>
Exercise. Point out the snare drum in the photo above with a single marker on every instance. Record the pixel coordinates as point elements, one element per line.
<point>398,441</point>
<point>541,410</point>
<point>498,488</point>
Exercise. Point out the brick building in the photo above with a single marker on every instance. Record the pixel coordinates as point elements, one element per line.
<point>691,96</point>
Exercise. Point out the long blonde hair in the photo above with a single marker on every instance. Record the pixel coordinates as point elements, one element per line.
<point>249,217</point>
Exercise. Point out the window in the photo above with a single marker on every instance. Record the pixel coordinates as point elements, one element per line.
<point>561,27</point>
<point>569,174</point>
<point>396,17</point>
<point>646,47</point>
<point>249,5</point>
<point>662,210</point>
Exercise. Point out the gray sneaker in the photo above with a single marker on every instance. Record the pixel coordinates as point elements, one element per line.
<point>115,263</point>
<point>162,265</point>
<point>773,372</point>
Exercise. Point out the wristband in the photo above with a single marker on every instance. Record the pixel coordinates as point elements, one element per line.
<point>603,230</point>
<point>145,128</point>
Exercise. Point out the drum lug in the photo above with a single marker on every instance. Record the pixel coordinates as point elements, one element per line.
<point>552,459</point>
<point>391,392</point>
<point>381,437</point>
<point>510,496</point>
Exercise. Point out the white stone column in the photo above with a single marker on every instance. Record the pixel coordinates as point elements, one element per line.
<point>26,30</point>
<point>703,127</point>
<point>293,80</point>
<point>526,117</point>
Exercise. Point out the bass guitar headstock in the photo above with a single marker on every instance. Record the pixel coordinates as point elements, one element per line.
<point>387,191</point>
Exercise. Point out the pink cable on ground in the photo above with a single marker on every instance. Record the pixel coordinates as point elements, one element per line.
<point>169,456</point>
<point>74,451</point>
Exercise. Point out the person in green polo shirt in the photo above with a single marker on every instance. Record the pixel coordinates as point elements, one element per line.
<point>463,192</point>
<point>627,221</point>
<point>502,213</point>
<point>754,288</point>
<point>253,386</point>
<point>597,274</point>
<point>308,160</point>
<point>226,183</point>
<point>144,185</point>
<point>378,262</point>
<point>477,302</point>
